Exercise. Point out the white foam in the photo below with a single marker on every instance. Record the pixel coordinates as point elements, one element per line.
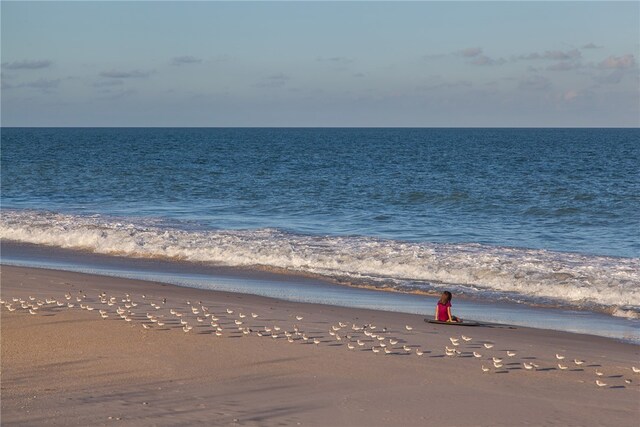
<point>517,274</point>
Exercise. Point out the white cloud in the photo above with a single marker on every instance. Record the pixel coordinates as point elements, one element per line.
<point>470,52</point>
<point>618,62</point>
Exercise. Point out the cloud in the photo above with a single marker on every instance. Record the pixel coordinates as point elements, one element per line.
<point>591,46</point>
<point>273,81</point>
<point>43,84</point>
<point>564,66</point>
<point>485,60</point>
<point>358,75</point>
<point>470,52</point>
<point>618,62</point>
<point>611,78</point>
<point>536,83</point>
<point>183,60</point>
<point>556,55</point>
<point>114,74</point>
<point>107,83</point>
<point>342,60</point>
<point>27,64</point>
<point>569,95</point>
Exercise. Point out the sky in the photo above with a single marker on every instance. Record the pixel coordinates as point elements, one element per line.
<point>317,64</point>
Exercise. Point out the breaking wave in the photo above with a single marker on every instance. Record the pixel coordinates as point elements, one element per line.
<point>523,275</point>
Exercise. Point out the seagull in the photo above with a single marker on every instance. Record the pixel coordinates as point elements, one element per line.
<point>299,318</point>
<point>351,346</point>
<point>466,338</point>
<point>104,315</point>
<point>496,360</point>
<point>453,340</point>
<point>218,333</point>
<point>511,353</point>
<point>450,352</point>
<point>375,349</point>
<point>408,328</point>
<point>32,312</point>
<point>393,342</point>
<point>598,373</point>
<point>578,362</point>
<point>419,352</point>
<point>600,383</point>
<point>488,345</point>
<point>360,343</point>
<point>383,345</point>
<point>237,322</point>
<point>160,323</point>
<point>229,311</point>
<point>254,315</point>
<point>485,369</point>
<point>636,370</point>
<point>387,351</point>
<point>242,316</point>
<point>527,367</point>
<point>316,341</point>
<point>478,355</point>
<point>497,365</point>
<point>562,367</point>
<point>406,348</point>
<point>342,325</point>
<point>559,357</point>
<point>144,325</point>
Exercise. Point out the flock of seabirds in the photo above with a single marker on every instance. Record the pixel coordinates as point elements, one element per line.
<point>367,337</point>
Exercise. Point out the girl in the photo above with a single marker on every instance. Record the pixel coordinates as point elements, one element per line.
<point>443,309</point>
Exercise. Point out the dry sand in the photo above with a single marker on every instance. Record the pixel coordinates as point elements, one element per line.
<point>68,366</point>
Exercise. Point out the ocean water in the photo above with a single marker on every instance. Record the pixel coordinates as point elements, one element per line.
<point>533,216</point>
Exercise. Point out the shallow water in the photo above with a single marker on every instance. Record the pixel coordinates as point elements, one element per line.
<point>301,289</point>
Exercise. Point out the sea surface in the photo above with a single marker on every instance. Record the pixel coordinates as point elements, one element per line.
<point>536,217</point>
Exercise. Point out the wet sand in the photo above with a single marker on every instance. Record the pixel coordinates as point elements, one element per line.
<point>68,366</point>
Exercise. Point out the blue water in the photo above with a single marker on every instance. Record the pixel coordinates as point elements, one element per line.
<point>496,212</point>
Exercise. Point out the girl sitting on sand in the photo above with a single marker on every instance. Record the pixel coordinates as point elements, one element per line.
<point>443,309</point>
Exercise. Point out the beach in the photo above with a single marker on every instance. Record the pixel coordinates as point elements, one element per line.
<point>68,366</point>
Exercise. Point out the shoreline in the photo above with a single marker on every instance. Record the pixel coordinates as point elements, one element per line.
<point>68,366</point>
<point>300,288</point>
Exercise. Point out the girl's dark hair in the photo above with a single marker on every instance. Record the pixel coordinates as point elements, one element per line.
<point>445,298</point>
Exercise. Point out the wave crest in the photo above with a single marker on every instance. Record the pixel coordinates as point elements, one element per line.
<point>522,275</point>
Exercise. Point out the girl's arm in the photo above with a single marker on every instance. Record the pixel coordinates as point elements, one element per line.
<point>436,318</point>
<point>449,314</point>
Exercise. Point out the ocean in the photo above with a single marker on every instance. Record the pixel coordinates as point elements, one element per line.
<point>536,217</point>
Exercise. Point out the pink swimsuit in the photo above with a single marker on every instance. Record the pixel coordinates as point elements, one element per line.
<point>443,316</point>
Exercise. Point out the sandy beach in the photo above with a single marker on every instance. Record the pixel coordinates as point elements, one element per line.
<point>66,365</point>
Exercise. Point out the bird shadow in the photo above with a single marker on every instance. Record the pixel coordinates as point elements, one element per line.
<point>617,386</point>
<point>614,376</point>
<point>594,366</point>
<point>546,369</point>
<point>529,358</point>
